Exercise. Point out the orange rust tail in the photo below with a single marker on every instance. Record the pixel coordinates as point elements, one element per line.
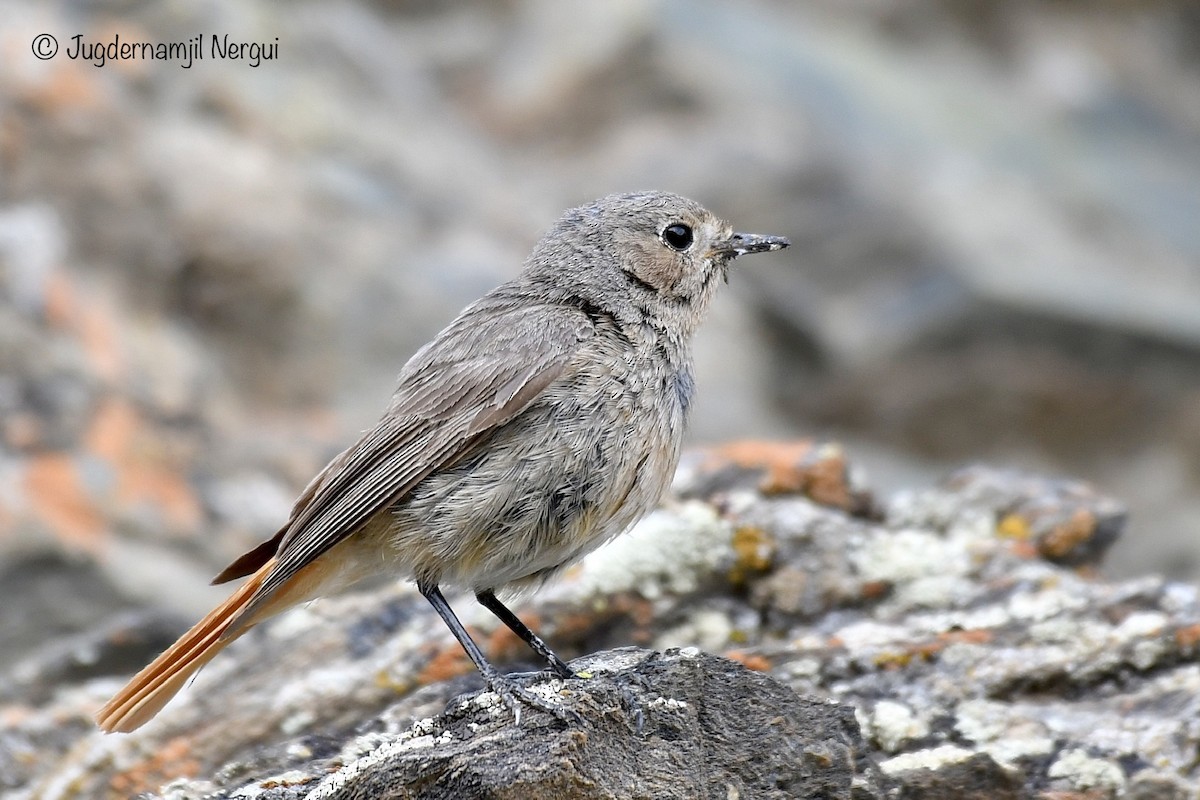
<point>151,689</point>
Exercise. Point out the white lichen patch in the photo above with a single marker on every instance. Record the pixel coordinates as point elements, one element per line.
<point>669,551</point>
<point>799,669</point>
<point>1006,751</point>
<point>933,758</point>
<point>419,742</point>
<point>1085,772</point>
<point>932,591</point>
<point>913,508</point>
<point>708,629</point>
<point>334,785</point>
<point>1044,604</point>
<point>299,751</point>
<point>869,634</point>
<point>1141,624</point>
<point>892,724</point>
<point>904,555</point>
<point>1148,653</point>
<point>1177,597</point>
<point>973,526</point>
<point>1001,731</point>
<point>367,743</point>
<point>296,624</point>
<point>981,721</point>
<point>423,727</point>
<point>489,702</point>
<point>660,703</point>
<point>932,623</point>
<point>1066,630</point>
<point>187,788</point>
<point>297,722</point>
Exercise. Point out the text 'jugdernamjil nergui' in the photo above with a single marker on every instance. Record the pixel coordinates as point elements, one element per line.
<point>221,47</point>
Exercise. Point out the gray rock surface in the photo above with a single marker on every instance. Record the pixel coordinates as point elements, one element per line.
<point>961,627</point>
<point>674,725</point>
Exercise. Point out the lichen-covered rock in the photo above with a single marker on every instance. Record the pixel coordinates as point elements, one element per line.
<point>674,725</point>
<point>975,665</point>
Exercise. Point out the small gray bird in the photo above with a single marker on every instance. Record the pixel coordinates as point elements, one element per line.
<point>543,421</point>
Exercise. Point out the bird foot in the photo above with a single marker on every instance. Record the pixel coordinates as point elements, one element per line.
<point>514,696</point>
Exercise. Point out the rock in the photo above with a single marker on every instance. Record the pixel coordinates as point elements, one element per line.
<point>679,724</point>
<point>664,725</point>
<point>977,664</point>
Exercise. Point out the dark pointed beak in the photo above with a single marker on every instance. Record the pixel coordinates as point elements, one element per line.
<point>739,244</point>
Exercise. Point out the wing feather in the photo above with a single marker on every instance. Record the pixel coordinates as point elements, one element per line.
<point>478,374</point>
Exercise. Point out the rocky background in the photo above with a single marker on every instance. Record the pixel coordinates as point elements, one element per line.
<point>209,277</point>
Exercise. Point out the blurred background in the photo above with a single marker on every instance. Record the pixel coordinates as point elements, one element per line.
<point>210,276</point>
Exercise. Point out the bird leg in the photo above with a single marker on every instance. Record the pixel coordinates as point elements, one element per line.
<point>488,600</point>
<point>508,692</point>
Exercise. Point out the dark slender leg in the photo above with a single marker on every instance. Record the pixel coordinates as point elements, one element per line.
<point>508,692</point>
<point>489,601</point>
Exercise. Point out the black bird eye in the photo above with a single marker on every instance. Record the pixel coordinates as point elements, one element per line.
<point>678,236</point>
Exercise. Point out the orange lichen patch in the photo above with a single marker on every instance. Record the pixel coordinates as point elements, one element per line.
<point>824,480</point>
<point>576,625</point>
<point>636,607</point>
<point>172,760</point>
<point>749,660</point>
<point>112,429</point>
<point>56,496</point>
<point>1025,550</point>
<point>61,303</point>
<point>448,662</point>
<point>916,652</point>
<point>1066,536</point>
<point>873,590</point>
<point>926,651</point>
<point>1014,526</point>
<point>929,650</point>
<point>755,551</point>
<point>116,436</point>
<point>972,636</point>
<point>98,334</point>
<point>166,490</point>
<point>93,322</point>
<point>12,716</point>
<point>793,468</point>
<point>66,86</point>
<point>1188,637</point>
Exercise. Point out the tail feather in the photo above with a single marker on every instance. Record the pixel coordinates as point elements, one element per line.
<point>151,689</point>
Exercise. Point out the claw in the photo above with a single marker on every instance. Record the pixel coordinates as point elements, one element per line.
<point>510,693</point>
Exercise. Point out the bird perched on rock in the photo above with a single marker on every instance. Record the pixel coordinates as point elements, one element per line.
<point>543,421</point>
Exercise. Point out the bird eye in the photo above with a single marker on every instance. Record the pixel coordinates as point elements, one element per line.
<point>678,236</point>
